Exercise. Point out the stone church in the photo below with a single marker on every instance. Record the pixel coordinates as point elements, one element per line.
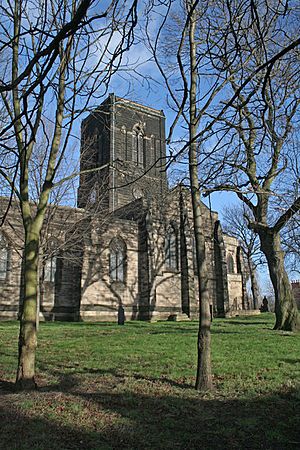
<point>129,245</point>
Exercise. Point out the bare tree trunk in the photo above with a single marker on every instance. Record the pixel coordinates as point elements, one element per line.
<point>204,376</point>
<point>28,331</point>
<point>38,295</point>
<point>254,285</point>
<point>287,317</point>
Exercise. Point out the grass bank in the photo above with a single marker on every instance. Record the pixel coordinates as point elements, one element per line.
<point>103,386</point>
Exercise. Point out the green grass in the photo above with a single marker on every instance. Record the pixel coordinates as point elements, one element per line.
<point>103,386</point>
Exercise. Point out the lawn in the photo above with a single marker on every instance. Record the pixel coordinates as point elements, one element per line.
<point>104,386</point>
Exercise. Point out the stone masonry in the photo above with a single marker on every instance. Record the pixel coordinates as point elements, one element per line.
<point>130,242</point>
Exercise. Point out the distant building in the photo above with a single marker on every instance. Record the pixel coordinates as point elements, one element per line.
<point>130,243</point>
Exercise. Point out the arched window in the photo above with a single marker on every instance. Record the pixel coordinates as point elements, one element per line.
<point>117,260</point>
<point>230,264</point>
<point>100,150</point>
<point>171,249</point>
<point>239,257</point>
<point>50,269</point>
<point>124,142</point>
<point>158,151</point>
<point>4,255</point>
<point>50,261</point>
<point>138,145</point>
<point>152,155</point>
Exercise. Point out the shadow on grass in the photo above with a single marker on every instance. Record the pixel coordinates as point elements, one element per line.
<point>291,361</point>
<point>154,420</point>
<point>243,322</point>
<point>189,330</point>
<point>6,387</point>
<point>69,382</point>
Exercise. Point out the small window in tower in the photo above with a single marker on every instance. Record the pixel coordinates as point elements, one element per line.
<point>158,154</point>
<point>152,151</point>
<point>138,145</point>
<point>124,142</point>
<point>140,149</point>
<point>100,150</point>
<point>117,260</point>
<point>4,257</point>
<point>171,249</point>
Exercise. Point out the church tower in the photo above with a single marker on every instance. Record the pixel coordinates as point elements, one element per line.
<point>123,154</point>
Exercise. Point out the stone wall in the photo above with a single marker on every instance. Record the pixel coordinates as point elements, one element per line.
<point>236,292</point>
<point>59,298</point>
<point>10,285</point>
<point>100,296</point>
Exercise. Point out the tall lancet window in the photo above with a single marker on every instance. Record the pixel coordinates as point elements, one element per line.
<point>50,269</point>
<point>138,145</point>
<point>124,142</point>
<point>230,264</point>
<point>152,151</point>
<point>4,255</point>
<point>171,253</point>
<point>117,260</point>
<point>50,263</point>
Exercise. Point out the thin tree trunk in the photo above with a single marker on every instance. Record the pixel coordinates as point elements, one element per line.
<point>204,376</point>
<point>254,285</point>
<point>287,317</point>
<point>28,332</point>
<point>38,295</point>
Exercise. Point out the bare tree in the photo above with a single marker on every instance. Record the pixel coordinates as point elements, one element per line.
<point>180,52</point>
<point>235,224</point>
<point>210,65</point>
<point>58,57</point>
<point>254,136</point>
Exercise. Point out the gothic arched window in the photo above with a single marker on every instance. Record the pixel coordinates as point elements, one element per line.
<point>124,142</point>
<point>171,249</point>
<point>50,269</point>
<point>117,260</point>
<point>230,264</point>
<point>138,145</point>
<point>100,150</point>
<point>239,257</point>
<point>50,262</point>
<point>152,152</point>
<point>4,255</point>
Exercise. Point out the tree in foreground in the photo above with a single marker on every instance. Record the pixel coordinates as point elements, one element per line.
<point>180,52</point>
<point>58,55</point>
<point>210,56</point>
<point>255,135</point>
